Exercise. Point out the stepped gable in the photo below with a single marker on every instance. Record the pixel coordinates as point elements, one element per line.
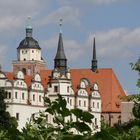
<point>27,78</point>
<point>109,86</point>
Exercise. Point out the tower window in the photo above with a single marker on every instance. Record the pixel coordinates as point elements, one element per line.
<point>55,88</point>
<point>24,59</point>
<point>32,51</point>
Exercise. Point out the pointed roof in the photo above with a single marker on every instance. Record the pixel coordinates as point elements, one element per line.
<point>94,60</point>
<point>60,50</point>
<point>94,50</point>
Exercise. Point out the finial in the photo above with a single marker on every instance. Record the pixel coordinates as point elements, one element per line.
<point>60,25</point>
<point>29,22</point>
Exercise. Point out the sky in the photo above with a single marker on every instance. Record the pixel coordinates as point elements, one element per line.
<point>114,23</point>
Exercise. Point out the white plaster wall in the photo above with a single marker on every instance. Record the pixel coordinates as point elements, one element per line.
<point>25,112</point>
<point>31,54</point>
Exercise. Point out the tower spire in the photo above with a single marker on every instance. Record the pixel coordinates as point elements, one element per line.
<point>29,29</point>
<point>60,61</point>
<point>94,60</point>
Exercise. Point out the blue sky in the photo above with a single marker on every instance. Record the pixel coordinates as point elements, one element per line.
<point>115,23</point>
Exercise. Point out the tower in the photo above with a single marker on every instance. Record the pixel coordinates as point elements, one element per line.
<point>29,59</point>
<point>94,60</point>
<point>60,80</point>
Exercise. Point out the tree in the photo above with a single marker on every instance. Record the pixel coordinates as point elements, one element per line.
<point>63,126</point>
<point>4,115</point>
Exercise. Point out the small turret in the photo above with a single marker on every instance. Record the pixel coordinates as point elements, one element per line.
<point>94,60</point>
<point>60,61</point>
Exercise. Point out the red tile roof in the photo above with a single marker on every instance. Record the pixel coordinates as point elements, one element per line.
<point>109,86</point>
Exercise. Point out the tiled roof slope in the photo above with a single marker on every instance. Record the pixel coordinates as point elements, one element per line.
<point>109,86</point>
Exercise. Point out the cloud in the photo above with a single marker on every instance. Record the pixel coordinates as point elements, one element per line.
<point>73,49</point>
<point>3,54</point>
<point>112,44</point>
<point>117,43</point>
<point>69,14</point>
<point>14,13</point>
<point>86,2</point>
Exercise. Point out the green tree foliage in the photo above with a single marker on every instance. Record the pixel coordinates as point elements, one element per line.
<point>63,127</point>
<point>136,67</point>
<point>5,119</point>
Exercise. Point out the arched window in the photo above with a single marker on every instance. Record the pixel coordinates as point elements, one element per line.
<point>24,71</point>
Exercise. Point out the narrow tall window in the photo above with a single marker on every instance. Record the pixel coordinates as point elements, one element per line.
<point>93,105</point>
<point>68,89</point>
<point>16,95</point>
<point>98,105</point>
<point>17,116</point>
<point>95,121</point>
<point>33,97</point>
<point>40,98</point>
<point>79,102</point>
<point>22,96</point>
<point>84,103</point>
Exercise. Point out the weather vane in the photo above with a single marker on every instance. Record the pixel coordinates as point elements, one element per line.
<point>60,25</point>
<point>29,21</point>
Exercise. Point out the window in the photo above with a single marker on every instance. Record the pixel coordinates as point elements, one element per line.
<point>70,101</point>
<point>93,105</point>
<point>84,103</point>
<point>32,51</point>
<point>55,88</point>
<point>32,59</point>
<point>22,96</point>
<point>17,116</point>
<point>98,105</point>
<point>33,97</point>
<point>68,88</point>
<point>95,121</point>
<point>40,98</point>
<point>79,102</point>
<point>16,95</point>
<point>8,95</point>
<point>24,59</point>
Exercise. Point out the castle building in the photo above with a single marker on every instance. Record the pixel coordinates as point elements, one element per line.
<point>94,89</point>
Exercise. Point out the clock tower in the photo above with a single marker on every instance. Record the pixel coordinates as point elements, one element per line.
<point>29,59</point>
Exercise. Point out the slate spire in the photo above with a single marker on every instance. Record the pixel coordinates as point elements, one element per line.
<point>60,61</point>
<point>94,60</point>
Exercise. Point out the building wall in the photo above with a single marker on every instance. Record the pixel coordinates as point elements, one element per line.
<point>23,112</point>
<point>29,54</point>
<point>126,111</point>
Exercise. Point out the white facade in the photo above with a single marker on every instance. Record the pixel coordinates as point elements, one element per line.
<point>29,55</point>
